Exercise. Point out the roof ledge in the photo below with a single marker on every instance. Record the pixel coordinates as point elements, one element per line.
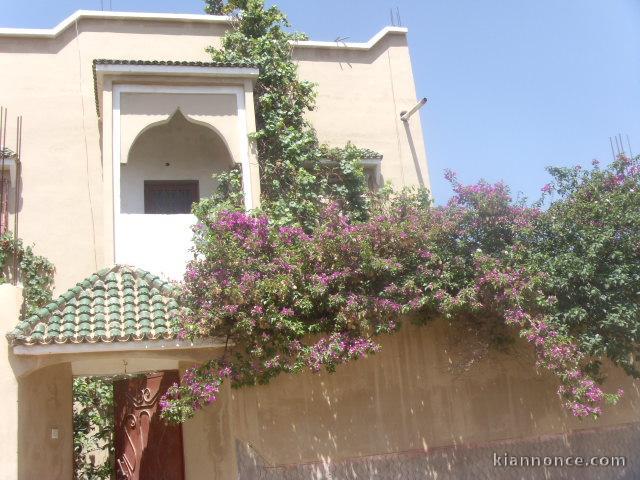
<point>82,14</point>
<point>103,347</point>
<point>354,46</point>
<point>159,67</point>
<point>186,18</point>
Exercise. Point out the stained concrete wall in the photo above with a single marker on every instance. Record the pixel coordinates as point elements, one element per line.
<point>209,445</point>
<point>486,461</point>
<point>414,397</point>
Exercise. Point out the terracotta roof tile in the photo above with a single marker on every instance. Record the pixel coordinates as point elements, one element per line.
<point>119,304</point>
<point>173,63</point>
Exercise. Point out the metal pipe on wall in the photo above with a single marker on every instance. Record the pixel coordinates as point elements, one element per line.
<point>405,116</point>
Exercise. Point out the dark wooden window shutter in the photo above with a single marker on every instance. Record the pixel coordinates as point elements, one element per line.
<point>170,197</point>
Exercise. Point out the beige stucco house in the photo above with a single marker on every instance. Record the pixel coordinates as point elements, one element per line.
<point>124,110</point>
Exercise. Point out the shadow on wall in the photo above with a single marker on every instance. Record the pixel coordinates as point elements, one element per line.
<point>414,154</point>
<point>435,400</point>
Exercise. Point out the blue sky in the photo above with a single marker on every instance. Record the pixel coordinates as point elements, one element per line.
<point>513,86</point>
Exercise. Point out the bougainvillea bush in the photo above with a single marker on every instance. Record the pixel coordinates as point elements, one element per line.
<point>324,269</point>
<point>286,300</point>
<point>588,245</point>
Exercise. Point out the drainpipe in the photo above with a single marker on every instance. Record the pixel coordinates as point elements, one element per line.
<point>405,116</point>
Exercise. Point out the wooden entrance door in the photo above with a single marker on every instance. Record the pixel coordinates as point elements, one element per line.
<point>146,448</point>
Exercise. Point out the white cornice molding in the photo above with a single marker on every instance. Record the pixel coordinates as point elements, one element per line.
<point>182,70</point>
<point>105,347</point>
<point>80,14</point>
<point>354,46</point>
<point>45,33</point>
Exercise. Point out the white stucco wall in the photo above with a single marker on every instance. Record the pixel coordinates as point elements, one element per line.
<point>157,243</point>
<point>176,150</point>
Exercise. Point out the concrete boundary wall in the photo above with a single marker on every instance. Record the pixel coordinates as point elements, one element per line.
<point>468,462</point>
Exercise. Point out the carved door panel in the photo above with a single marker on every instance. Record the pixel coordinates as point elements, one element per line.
<point>146,448</point>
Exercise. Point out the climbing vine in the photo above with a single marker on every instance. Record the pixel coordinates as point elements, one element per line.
<point>35,272</point>
<point>93,427</point>
<point>214,7</point>
<point>295,177</point>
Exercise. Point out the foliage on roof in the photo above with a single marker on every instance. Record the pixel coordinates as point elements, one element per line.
<point>336,153</point>
<point>118,304</point>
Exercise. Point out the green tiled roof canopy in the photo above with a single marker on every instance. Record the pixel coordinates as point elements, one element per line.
<point>118,304</point>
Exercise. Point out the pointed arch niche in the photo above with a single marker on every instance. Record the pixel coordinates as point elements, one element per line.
<point>181,130</point>
<point>174,150</point>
